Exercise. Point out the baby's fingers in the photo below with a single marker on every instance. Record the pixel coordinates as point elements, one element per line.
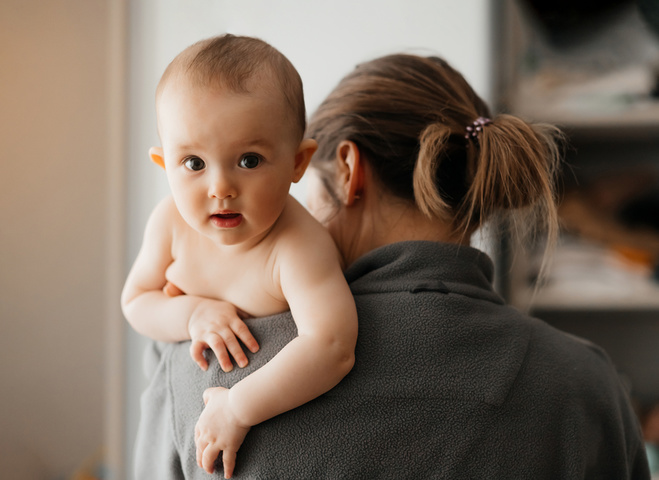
<point>201,445</point>
<point>219,347</point>
<point>236,351</point>
<point>208,457</point>
<point>242,332</point>
<point>197,349</point>
<point>228,462</point>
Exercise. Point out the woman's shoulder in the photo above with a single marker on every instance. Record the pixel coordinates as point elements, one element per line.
<point>569,362</point>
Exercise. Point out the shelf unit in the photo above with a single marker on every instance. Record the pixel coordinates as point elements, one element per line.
<point>593,288</point>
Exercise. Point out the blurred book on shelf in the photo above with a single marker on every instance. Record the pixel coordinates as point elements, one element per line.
<point>608,252</point>
<point>586,65</point>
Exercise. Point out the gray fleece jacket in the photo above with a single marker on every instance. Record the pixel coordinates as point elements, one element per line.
<point>449,383</point>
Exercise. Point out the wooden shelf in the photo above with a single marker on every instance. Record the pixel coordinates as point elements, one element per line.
<point>584,110</point>
<point>600,93</point>
<point>580,296</point>
<point>587,277</point>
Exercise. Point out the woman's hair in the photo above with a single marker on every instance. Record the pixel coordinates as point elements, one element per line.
<point>232,62</point>
<point>408,116</point>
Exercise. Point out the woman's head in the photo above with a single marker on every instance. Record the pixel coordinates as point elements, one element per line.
<point>408,116</point>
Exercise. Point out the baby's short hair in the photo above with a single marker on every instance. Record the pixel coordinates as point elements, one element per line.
<point>231,61</point>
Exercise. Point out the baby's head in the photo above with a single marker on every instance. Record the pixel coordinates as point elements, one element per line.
<point>231,122</point>
<point>240,65</point>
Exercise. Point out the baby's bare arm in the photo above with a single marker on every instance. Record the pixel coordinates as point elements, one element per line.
<point>146,307</point>
<point>152,312</point>
<point>310,365</point>
<point>323,352</point>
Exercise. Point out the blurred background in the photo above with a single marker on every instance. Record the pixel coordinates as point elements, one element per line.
<point>77,83</point>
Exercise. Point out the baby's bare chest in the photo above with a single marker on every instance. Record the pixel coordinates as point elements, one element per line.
<point>248,280</point>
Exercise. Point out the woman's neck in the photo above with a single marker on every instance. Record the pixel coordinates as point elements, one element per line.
<point>379,221</point>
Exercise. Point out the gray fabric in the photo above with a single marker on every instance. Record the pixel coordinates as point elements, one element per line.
<point>449,383</point>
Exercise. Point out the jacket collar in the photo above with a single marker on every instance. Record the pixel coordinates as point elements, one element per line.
<point>421,265</point>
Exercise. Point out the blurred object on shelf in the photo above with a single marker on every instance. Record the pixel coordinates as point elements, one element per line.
<point>618,210</point>
<point>634,256</point>
<point>587,64</point>
<point>588,275</point>
<point>573,98</point>
<point>608,254</point>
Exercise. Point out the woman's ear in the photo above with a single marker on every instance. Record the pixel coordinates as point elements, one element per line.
<point>350,171</point>
<point>157,156</point>
<point>303,156</point>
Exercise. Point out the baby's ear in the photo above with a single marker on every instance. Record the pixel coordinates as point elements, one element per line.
<point>157,156</point>
<point>303,156</point>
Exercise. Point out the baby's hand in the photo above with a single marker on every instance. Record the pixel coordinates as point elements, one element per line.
<point>215,324</point>
<point>218,430</point>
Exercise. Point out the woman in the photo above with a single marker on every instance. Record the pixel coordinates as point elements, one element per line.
<point>449,382</point>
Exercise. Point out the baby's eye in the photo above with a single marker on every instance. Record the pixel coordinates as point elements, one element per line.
<point>194,163</point>
<point>250,161</point>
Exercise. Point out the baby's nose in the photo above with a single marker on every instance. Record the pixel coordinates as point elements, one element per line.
<point>222,187</point>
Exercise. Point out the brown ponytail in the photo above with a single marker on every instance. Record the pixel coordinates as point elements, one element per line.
<point>516,171</point>
<point>409,115</point>
<point>426,194</point>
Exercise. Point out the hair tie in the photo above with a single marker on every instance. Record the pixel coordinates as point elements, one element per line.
<point>476,127</point>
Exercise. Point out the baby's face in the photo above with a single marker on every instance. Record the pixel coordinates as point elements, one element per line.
<point>229,158</point>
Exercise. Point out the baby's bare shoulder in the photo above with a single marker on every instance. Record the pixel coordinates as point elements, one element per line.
<point>160,220</point>
<point>168,217</point>
<point>165,211</point>
<point>300,228</point>
<point>166,225</point>
<point>303,238</point>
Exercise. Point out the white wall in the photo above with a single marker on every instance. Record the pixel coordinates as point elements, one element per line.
<point>54,229</point>
<point>324,40</point>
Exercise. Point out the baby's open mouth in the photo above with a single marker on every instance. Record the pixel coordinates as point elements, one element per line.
<point>226,220</point>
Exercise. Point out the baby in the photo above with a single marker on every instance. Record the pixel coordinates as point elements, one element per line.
<point>231,121</point>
